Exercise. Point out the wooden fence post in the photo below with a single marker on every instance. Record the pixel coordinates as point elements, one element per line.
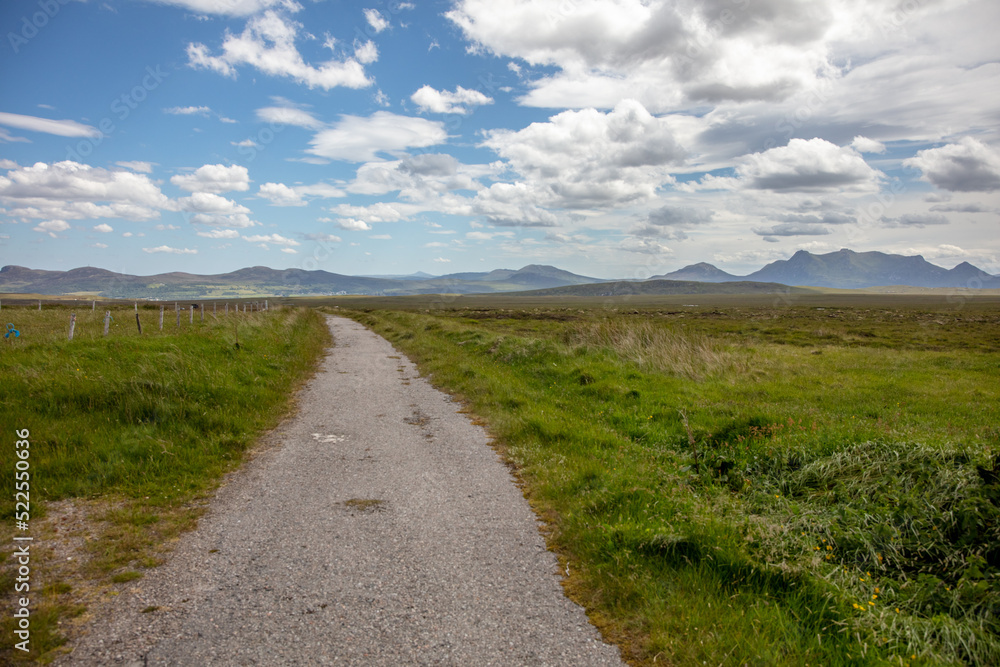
<point>138,324</point>
<point>191,314</point>
<point>107,321</point>
<point>177,309</point>
<point>227,308</point>
<point>161,318</point>
<point>136,306</point>
<point>93,306</point>
<point>39,304</point>
<point>72,324</point>
<point>201,307</point>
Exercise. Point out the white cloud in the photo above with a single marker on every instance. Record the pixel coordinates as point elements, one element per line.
<point>231,7</point>
<point>290,251</point>
<point>587,158</point>
<point>381,237</point>
<point>215,210</point>
<point>52,227</point>
<point>665,54</point>
<point>376,20</point>
<point>280,194</point>
<point>220,234</point>
<point>71,191</point>
<point>968,166</point>
<point>808,166</point>
<point>866,145</point>
<point>442,101</point>
<point>61,128</point>
<point>289,116</point>
<point>268,44</point>
<point>99,245</point>
<point>366,53</point>
<point>214,178</point>
<point>353,225</point>
<point>188,111</point>
<point>441,260</point>
<point>104,228</point>
<point>274,239</point>
<point>359,139</point>
<point>137,165</point>
<point>323,238</point>
<point>172,251</point>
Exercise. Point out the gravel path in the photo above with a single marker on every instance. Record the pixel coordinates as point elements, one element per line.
<point>383,531</point>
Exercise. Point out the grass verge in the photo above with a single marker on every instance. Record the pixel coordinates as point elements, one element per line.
<point>769,486</point>
<point>129,434</point>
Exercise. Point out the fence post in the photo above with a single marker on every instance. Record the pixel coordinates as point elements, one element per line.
<point>107,321</point>
<point>136,304</point>
<point>191,314</point>
<point>39,304</point>
<point>161,318</point>
<point>138,324</point>
<point>93,306</point>
<point>72,324</point>
<point>201,308</point>
<point>213,308</point>
<point>177,309</point>
<point>227,308</point>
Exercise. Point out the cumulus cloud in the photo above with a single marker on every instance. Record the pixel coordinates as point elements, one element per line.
<point>587,158</point>
<point>231,7</point>
<point>442,101</point>
<point>663,53</point>
<point>219,234</point>
<point>377,22</point>
<point>280,194</point>
<point>360,138</point>
<point>104,228</point>
<point>866,145</point>
<point>968,166</point>
<point>268,44</point>
<point>214,178</point>
<point>215,210</point>
<point>353,225</point>
<point>71,191</point>
<point>812,165</point>
<point>61,128</point>
<point>273,239</point>
<point>52,227</point>
<point>171,251</point>
<point>188,111</point>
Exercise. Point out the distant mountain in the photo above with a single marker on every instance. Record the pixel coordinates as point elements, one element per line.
<point>844,269</point>
<point>264,281</point>
<point>701,272</point>
<point>662,287</point>
<point>534,274</point>
<point>847,269</point>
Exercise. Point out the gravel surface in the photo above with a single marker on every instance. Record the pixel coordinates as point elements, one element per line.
<point>382,531</point>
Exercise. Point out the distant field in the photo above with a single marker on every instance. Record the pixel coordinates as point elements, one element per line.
<point>127,434</point>
<point>810,480</point>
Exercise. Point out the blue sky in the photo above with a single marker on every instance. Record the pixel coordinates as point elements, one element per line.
<point>613,138</point>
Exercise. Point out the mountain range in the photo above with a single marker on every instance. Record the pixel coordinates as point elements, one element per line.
<point>844,269</point>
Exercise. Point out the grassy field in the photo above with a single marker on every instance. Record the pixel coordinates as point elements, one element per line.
<point>128,435</point>
<point>765,484</point>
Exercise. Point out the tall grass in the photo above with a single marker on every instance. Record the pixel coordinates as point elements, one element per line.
<point>721,498</point>
<point>137,427</point>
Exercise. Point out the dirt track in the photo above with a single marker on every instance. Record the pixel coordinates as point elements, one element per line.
<point>382,531</point>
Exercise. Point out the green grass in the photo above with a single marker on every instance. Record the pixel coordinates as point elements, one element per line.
<point>769,486</point>
<point>136,429</point>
